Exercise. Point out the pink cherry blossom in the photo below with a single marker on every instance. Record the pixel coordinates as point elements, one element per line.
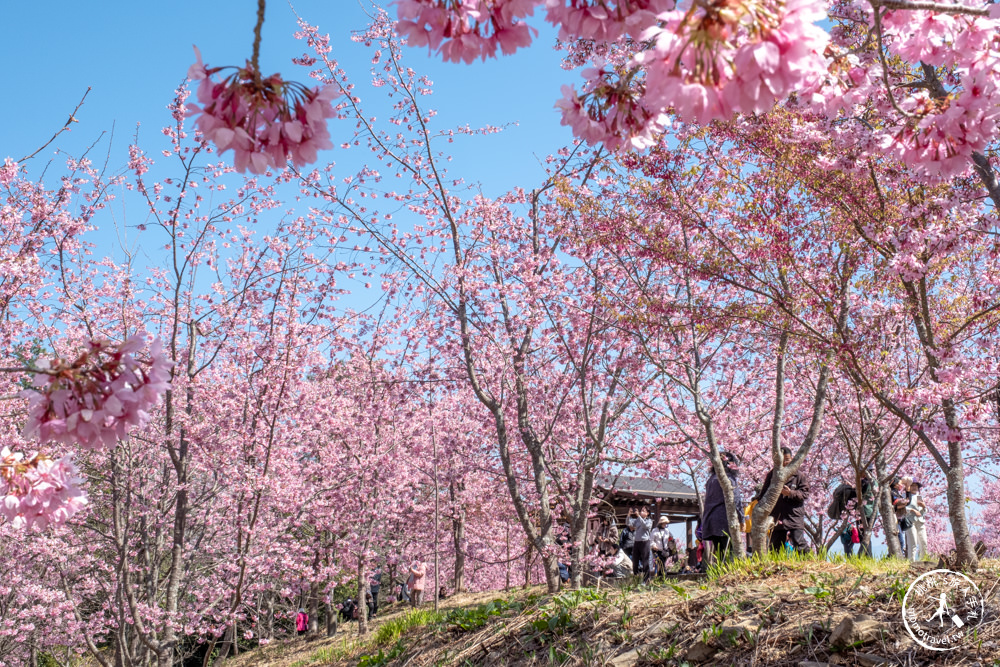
<point>264,121</point>
<point>8,172</point>
<point>463,30</point>
<point>721,58</point>
<point>37,491</point>
<point>610,112</point>
<point>95,400</point>
<point>603,20</point>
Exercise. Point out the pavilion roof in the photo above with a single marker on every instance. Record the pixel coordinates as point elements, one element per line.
<point>643,486</point>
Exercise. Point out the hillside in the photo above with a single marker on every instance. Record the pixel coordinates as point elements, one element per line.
<point>799,611</point>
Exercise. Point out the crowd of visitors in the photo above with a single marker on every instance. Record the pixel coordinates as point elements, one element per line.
<point>640,549</point>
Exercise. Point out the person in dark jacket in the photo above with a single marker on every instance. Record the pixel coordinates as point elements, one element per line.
<point>714,523</point>
<point>374,588</point>
<point>627,539</point>
<point>790,511</point>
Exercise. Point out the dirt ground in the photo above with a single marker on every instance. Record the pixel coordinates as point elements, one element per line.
<point>801,613</point>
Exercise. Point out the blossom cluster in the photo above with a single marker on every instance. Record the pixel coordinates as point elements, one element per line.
<point>711,59</point>
<point>945,127</point>
<point>604,20</point>
<point>610,111</point>
<point>37,491</point>
<point>94,400</point>
<point>708,62</point>
<point>722,57</point>
<point>8,172</point>
<point>264,121</point>
<point>463,30</point>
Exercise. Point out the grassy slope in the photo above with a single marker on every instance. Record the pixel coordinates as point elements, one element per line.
<point>788,608</point>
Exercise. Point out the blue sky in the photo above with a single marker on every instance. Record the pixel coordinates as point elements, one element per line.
<point>133,55</point>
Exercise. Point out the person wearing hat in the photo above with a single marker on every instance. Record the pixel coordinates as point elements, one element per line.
<point>658,542</point>
<point>916,535</point>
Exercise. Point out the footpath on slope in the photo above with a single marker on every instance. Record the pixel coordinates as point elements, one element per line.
<point>802,612</point>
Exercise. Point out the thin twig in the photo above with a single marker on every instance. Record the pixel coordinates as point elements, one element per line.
<point>71,119</point>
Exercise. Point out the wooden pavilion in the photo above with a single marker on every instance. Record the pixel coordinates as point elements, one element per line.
<point>666,497</point>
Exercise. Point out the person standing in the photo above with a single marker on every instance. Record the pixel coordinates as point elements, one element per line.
<point>642,527</point>
<point>374,587</point>
<point>418,575</point>
<point>714,522</point>
<point>916,536</point>
<point>659,542</point>
<point>867,502</point>
<point>301,622</point>
<point>748,519</point>
<point>847,539</point>
<point>607,539</point>
<point>789,512</point>
<point>900,499</point>
<point>626,541</point>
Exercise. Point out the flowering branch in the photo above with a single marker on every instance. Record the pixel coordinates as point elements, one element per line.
<point>944,8</point>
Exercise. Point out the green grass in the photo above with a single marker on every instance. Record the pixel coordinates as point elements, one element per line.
<point>388,634</point>
<point>757,565</point>
<point>345,648</point>
<point>390,631</point>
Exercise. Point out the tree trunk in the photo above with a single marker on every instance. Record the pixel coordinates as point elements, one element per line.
<point>529,556</point>
<point>885,507</point>
<point>458,535</point>
<point>331,619</point>
<point>268,625</point>
<point>437,520</point>
<point>552,580</point>
<point>362,598</point>
<point>506,585</point>
<point>229,636</point>
<point>966,557</point>
<point>313,608</point>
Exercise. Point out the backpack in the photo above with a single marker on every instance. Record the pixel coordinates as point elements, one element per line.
<point>626,540</point>
<point>855,535</point>
<point>841,495</point>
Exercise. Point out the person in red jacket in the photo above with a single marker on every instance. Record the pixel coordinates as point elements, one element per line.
<point>301,622</point>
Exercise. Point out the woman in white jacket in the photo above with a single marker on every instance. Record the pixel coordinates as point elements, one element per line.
<point>916,535</point>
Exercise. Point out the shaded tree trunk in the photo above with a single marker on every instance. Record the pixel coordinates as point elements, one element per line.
<point>889,522</point>
<point>458,535</point>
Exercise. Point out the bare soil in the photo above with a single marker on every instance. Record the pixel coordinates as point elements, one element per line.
<point>770,614</point>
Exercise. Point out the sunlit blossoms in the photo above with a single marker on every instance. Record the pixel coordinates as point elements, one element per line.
<point>604,20</point>
<point>610,111</point>
<point>728,56</point>
<point>264,121</point>
<point>708,62</point>
<point>943,126</point>
<point>8,172</point>
<point>464,30</point>
<point>96,399</point>
<point>37,491</point>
